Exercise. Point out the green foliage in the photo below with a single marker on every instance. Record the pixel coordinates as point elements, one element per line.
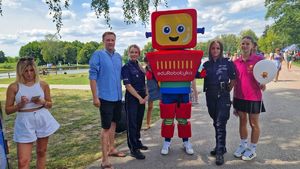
<point>269,42</point>
<point>33,49</point>
<point>52,49</point>
<point>203,46</point>
<point>125,57</point>
<point>2,57</point>
<point>86,52</point>
<point>70,54</point>
<point>230,43</point>
<point>250,33</point>
<point>286,14</point>
<point>147,48</point>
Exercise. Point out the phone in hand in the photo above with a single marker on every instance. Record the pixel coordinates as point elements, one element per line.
<point>35,98</point>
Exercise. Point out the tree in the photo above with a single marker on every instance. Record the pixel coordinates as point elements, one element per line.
<point>230,42</point>
<point>203,46</point>
<point>33,49</point>
<point>250,33</point>
<point>2,57</point>
<point>147,48</point>
<point>52,49</point>
<point>86,52</point>
<point>70,54</point>
<point>287,18</point>
<point>269,42</point>
<point>131,9</point>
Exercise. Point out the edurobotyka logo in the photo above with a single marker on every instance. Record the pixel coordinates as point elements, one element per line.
<point>175,73</point>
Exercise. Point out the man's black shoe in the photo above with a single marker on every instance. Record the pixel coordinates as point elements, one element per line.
<point>143,147</point>
<point>137,154</point>
<point>213,152</point>
<point>219,159</point>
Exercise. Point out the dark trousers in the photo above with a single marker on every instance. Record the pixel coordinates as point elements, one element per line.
<point>134,115</point>
<point>218,104</point>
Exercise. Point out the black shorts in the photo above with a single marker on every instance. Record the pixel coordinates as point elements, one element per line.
<point>251,107</point>
<point>110,111</point>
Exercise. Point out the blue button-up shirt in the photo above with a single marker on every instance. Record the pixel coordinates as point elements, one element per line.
<point>132,74</point>
<point>105,68</point>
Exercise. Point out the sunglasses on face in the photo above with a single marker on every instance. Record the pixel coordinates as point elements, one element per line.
<point>30,59</point>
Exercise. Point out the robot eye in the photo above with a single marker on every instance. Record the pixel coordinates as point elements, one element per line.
<point>180,29</point>
<point>166,30</point>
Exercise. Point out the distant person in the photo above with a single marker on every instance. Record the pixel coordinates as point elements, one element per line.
<point>247,100</point>
<point>30,98</point>
<point>277,58</point>
<point>105,83</point>
<point>289,60</point>
<point>153,90</point>
<point>135,98</point>
<point>219,81</point>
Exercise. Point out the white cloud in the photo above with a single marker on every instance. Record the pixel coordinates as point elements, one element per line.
<point>86,5</point>
<point>245,4</point>
<point>200,4</point>
<point>66,15</point>
<point>8,39</point>
<point>36,32</point>
<point>12,3</point>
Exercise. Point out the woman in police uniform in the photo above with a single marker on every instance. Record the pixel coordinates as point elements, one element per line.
<point>219,80</point>
<point>133,76</point>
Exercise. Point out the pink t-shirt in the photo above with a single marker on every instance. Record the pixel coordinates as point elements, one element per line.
<point>247,88</point>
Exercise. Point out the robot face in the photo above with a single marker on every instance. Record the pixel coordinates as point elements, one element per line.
<point>174,29</point>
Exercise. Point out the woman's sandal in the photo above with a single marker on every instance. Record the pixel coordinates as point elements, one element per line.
<point>117,154</point>
<point>107,166</point>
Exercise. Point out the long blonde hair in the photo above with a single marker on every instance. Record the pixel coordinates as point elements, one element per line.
<point>22,64</point>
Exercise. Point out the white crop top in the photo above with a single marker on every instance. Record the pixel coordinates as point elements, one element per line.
<point>29,92</point>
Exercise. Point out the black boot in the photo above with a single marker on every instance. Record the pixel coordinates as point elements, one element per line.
<point>219,159</point>
<point>137,154</point>
<point>214,152</point>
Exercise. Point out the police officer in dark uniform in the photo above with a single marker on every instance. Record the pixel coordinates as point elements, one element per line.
<point>133,77</point>
<point>219,80</point>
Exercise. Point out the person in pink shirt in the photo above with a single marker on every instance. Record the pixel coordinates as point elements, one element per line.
<point>247,100</point>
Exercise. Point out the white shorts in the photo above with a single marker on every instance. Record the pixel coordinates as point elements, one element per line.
<point>29,126</point>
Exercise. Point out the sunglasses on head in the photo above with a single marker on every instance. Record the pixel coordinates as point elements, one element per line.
<point>26,59</point>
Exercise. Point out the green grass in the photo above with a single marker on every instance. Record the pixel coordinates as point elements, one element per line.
<point>296,63</point>
<point>76,144</point>
<point>67,79</point>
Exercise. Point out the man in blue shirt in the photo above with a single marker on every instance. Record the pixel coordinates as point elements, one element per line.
<point>105,83</point>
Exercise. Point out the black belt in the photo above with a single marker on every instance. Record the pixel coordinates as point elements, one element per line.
<point>222,86</point>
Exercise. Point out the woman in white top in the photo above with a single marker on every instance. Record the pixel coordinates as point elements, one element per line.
<point>30,98</point>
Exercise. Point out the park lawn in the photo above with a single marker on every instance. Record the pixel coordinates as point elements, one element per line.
<point>66,79</point>
<point>76,144</point>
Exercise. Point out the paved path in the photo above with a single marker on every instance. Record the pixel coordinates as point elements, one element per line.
<point>278,148</point>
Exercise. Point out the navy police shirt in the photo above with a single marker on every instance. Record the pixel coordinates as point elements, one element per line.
<point>132,74</point>
<point>218,71</point>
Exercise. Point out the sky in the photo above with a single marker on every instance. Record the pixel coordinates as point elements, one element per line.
<point>24,21</point>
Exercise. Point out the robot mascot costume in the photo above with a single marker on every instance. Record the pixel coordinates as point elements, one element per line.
<point>174,65</point>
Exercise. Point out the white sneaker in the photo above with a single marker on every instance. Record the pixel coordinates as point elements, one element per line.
<point>165,148</point>
<point>188,147</point>
<point>239,151</point>
<point>248,155</point>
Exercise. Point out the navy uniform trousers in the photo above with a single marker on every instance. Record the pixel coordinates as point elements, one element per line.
<point>135,114</point>
<point>218,104</point>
